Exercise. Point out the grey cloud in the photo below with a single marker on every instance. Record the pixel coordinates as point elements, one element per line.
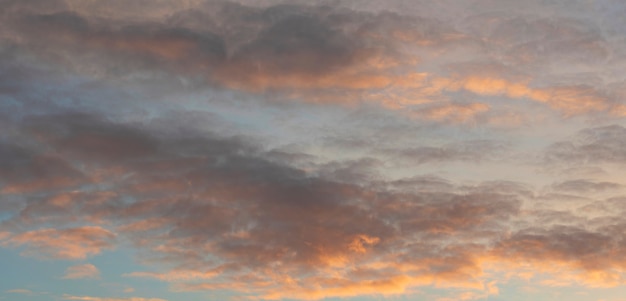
<point>419,183</point>
<point>23,169</point>
<point>242,50</point>
<point>311,52</point>
<point>363,170</point>
<point>568,243</point>
<point>467,151</point>
<point>238,214</point>
<point>219,205</point>
<point>595,145</point>
<point>90,138</point>
<point>227,208</point>
<point>128,49</point>
<point>547,217</point>
<point>548,40</point>
<point>582,186</point>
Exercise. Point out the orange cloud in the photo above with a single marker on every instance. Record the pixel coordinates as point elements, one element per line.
<point>176,275</point>
<point>254,76</point>
<point>361,242</point>
<point>69,243</point>
<point>552,272</point>
<point>456,113</point>
<point>379,279</point>
<point>422,88</point>
<point>261,219</point>
<point>571,100</point>
<point>343,288</point>
<point>21,291</point>
<point>144,225</point>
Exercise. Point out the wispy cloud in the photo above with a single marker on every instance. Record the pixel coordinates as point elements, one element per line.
<point>82,271</point>
<point>65,243</point>
<point>88,298</point>
<point>20,291</point>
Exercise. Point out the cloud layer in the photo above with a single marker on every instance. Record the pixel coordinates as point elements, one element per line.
<point>297,150</point>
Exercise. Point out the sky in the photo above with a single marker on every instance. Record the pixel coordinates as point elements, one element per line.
<point>188,150</point>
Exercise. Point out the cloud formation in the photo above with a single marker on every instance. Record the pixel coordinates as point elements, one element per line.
<point>82,271</point>
<point>594,145</point>
<point>20,291</point>
<point>63,243</point>
<point>309,150</point>
<point>218,205</point>
<point>326,53</point>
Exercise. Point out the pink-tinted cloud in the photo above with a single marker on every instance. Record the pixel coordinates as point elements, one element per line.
<point>390,207</point>
<point>67,243</point>
<point>454,113</point>
<point>83,271</point>
<point>176,275</point>
<point>20,291</point>
<point>241,222</point>
<point>326,54</point>
<point>248,215</point>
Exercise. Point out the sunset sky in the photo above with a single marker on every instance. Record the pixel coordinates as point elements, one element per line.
<point>191,150</point>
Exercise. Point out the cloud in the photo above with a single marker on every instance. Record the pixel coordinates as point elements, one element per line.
<point>330,54</point>
<point>286,46</point>
<point>589,257</point>
<point>594,145</point>
<point>566,243</point>
<point>90,138</point>
<point>20,291</point>
<point>583,186</point>
<point>26,292</point>
<point>67,243</point>
<point>567,99</point>
<point>539,40</point>
<point>82,271</point>
<point>221,213</point>
<point>455,113</point>
<point>242,196</point>
<point>24,170</point>
<point>466,151</point>
<point>176,275</point>
<point>89,298</point>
